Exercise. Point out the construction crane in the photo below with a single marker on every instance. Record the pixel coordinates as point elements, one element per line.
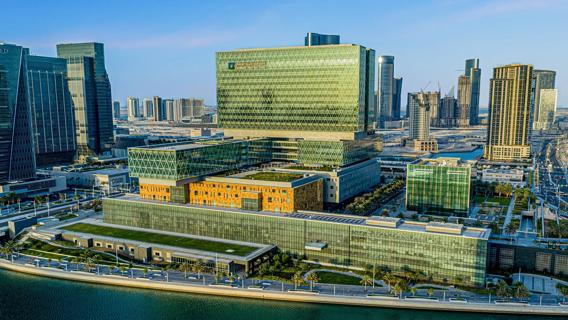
<point>426,87</point>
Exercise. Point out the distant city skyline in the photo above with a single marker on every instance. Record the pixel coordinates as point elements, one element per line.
<point>175,56</point>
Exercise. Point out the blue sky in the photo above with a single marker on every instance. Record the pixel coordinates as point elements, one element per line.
<point>167,48</point>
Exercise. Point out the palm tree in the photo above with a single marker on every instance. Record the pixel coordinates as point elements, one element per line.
<point>312,278</point>
<point>503,290</point>
<point>389,279</point>
<point>122,269</point>
<point>8,249</point>
<point>185,267</point>
<point>430,292</point>
<point>520,291</point>
<point>145,270</point>
<point>510,229</point>
<point>366,281</point>
<point>199,267</point>
<point>413,291</point>
<point>563,290</point>
<point>297,279</point>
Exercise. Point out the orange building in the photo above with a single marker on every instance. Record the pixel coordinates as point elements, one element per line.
<point>260,191</point>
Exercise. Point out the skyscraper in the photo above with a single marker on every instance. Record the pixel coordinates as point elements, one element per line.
<point>169,109</point>
<point>91,93</point>
<point>157,108</point>
<point>52,109</point>
<point>464,100</point>
<point>317,39</point>
<point>116,109</point>
<point>509,113</point>
<point>419,116</point>
<point>385,90</point>
<point>397,95</point>
<point>133,107</point>
<point>434,103</point>
<point>418,110</point>
<point>546,110</point>
<point>472,72</point>
<point>148,109</point>
<point>448,113</point>
<point>542,80</point>
<point>17,157</point>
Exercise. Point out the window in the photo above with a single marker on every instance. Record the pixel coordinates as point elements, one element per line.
<point>269,199</point>
<point>121,248</point>
<point>109,246</point>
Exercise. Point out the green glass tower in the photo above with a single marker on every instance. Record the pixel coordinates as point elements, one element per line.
<point>438,186</point>
<point>315,92</point>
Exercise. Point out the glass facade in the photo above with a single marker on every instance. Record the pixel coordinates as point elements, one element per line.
<point>385,90</point>
<point>52,108</point>
<point>178,162</point>
<point>17,157</point>
<point>91,93</point>
<point>349,244</point>
<point>319,88</point>
<point>473,72</point>
<point>439,188</point>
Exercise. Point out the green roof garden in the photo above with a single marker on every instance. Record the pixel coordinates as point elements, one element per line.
<point>311,168</point>
<point>163,239</point>
<point>274,176</point>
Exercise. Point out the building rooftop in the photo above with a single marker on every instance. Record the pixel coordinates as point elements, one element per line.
<point>444,162</point>
<point>402,225</point>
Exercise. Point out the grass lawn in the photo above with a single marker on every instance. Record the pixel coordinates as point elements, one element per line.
<point>319,168</point>
<point>274,176</point>
<point>163,239</point>
<point>504,201</point>
<point>337,278</point>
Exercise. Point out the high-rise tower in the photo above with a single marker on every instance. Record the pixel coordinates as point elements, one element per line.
<point>509,113</point>
<point>471,94</point>
<point>52,110</point>
<point>91,92</point>
<point>317,39</point>
<point>17,158</point>
<point>543,99</point>
<point>385,90</point>
<point>418,110</point>
<point>133,107</point>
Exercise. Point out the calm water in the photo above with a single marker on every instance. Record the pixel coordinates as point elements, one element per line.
<point>468,155</point>
<point>30,297</point>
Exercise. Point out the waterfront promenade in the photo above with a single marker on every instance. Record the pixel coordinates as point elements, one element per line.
<point>254,292</point>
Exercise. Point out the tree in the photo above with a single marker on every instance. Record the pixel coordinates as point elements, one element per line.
<point>520,291</point>
<point>413,291</point>
<point>502,289</point>
<point>510,229</point>
<point>430,292</point>
<point>389,279</point>
<point>122,269</point>
<point>199,267</point>
<point>297,279</point>
<point>313,279</point>
<point>563,290</point>
<point>145,270</point>
<point>8,249</point>
<point>185,267</point>
<point>366,281</point>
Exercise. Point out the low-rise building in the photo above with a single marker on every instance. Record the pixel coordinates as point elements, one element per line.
<point>40,186</point>
<point>515,177</point>
<point>260,191</point>
<point>439,186</point>
<point>327,239</point>
<point>106,179</point>
<point>343,183</point>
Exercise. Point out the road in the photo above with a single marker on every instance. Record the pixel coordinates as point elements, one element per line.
<point>553,176</point>
<point>443,295</point>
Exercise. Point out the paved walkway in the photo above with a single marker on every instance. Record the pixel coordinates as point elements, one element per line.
<point>509,215</point>
<point>282,295</point>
